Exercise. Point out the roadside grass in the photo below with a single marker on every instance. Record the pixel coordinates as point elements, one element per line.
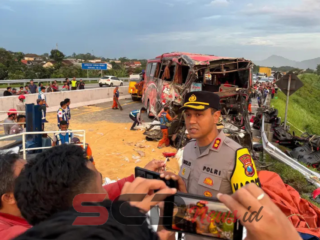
<point>303,114</point>
<point>304,106</point>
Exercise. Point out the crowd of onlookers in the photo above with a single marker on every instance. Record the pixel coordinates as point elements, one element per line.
<point>52,87</point>
<point>261,90</point>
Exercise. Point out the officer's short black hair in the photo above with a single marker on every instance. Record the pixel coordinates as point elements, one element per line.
<point>43,88</point>
<point>20,117</point>
<point>67,100</point>
<point>63,123</point>
<point>62,103</point>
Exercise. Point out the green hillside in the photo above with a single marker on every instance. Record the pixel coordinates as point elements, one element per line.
<point>304,105</point>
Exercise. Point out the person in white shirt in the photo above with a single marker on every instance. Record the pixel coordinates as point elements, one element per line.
<point>44,98</point>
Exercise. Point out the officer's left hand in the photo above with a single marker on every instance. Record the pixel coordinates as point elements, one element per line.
<point>169,175</point>
<point>156,166</point>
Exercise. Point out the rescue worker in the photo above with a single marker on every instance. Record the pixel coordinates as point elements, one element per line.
<point>115,98</point>
<point>19,127</point>
<point>135,116</point>
<point>212,162</point>
<point>68,112</point>
<point>87,149</point>
<point>10,121</point>
<point>61,114</point>
<point>74,84</point>
<point>165,120</point>
<point>21,106</point>
<point>64,137</point>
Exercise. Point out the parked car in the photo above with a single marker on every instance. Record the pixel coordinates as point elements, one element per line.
<point>110,81</point>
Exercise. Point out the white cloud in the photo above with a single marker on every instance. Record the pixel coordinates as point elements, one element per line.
<point>249,5</point>
<point>6,8</point>
<point>212,17</point>
<point>219,3</point>
<point>258,41</point>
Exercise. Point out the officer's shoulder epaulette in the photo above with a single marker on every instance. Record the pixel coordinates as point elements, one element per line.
<point>232,144</point>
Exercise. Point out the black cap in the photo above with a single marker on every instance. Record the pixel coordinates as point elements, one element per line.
<point>201,101</point>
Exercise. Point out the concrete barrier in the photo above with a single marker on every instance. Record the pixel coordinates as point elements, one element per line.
<point>78,98</point>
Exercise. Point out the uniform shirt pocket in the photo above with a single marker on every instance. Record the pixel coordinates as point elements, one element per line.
<point>210,181</point>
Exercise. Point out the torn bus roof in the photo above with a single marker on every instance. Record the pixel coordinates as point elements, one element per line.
<point>198,59</point>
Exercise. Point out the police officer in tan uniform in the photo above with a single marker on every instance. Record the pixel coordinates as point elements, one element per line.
<point>210,158</point>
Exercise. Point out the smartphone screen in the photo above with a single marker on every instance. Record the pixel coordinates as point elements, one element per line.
<point>202,217</point>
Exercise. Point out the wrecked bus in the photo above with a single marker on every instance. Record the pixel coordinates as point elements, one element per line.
<point>170,76</point>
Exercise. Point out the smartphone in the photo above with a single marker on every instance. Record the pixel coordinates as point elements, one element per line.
<point>201,216</point>
<point>144,173</point>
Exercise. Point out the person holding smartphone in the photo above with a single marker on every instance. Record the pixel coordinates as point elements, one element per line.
<point>212,162</point>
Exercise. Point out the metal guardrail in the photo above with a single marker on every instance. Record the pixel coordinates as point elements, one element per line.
<point>50,80</point>
<point>23,135</point>
<point>311,176</point>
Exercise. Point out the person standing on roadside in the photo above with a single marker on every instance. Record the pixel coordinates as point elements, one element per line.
<point>8,92</point>
<point>21,91</point>
<point>74,84</point>
<point>116,95</point>
<point>273,92</point>
<point>39,87</point>
<point>68,112</point>
<point>19,127</point>
<point>21,106</point>
<point>44,98</point>
<point>43,114</point>
<point>32,87</point>
<point>81,84</point>
<point>65,86</point>
<point>55,86</point>
<point>27,89</point>
<point>61,114</point>
<point>10,121</point>
<point>68,83</point>
<point>14,91</point>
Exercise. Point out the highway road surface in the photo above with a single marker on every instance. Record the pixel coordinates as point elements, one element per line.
<point>88,86</point>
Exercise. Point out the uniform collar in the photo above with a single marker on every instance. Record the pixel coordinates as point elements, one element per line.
<point>214,146</point>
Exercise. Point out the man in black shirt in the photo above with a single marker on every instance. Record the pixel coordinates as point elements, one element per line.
<point>81,84</point>
<point>8,92</point>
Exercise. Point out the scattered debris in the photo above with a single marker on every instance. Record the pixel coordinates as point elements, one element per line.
<point>138,161</point>
<point>101,134</point>
<point>141,153</point>
<point>126,159</point>
<point>153,150</point>
<point>135,157</point>
<point>139,145</point>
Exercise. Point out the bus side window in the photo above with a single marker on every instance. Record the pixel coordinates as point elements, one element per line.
<point>148,71</point>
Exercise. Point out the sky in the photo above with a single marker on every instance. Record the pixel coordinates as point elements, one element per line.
<point>253,29</point>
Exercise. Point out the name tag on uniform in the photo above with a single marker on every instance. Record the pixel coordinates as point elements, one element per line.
<point>186,162</point>
<point>213,171</point>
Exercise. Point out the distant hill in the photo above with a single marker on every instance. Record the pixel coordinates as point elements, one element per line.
<point>278,61</point>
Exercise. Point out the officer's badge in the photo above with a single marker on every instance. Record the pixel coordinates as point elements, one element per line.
<point>193,98</point>
<point>216,143</point>
<point>183,172</point>
<point>207,194</point>
<point>247,165</point>
<point>208,181</point>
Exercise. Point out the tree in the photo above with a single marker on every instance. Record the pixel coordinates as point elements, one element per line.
<point>318,69</point>
<point>115,66</point>
<point>309,71</point>
<point>57,56</point>
<point>256,68</point>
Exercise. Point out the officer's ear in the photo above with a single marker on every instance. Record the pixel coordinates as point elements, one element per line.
<point>216,116</point>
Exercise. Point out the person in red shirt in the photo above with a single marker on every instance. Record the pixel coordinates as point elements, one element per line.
<point>51,183</point>
<point>11,222</point>
<point>273,92</point>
